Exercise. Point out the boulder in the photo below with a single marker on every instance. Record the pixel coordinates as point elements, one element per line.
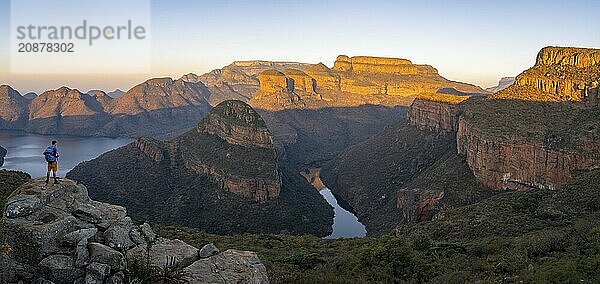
<point>60,269</point>
<point>105,254</point>
<point>96,273</point>
<point>117,235</point>
<point>208,251</point>
<point>166,253</point>
<point>231,266</point>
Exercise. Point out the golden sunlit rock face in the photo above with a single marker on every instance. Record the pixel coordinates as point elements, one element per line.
<point>559,74</point>
<point>353,81</point>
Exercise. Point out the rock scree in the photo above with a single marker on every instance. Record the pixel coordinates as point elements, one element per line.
<point>57,234</point>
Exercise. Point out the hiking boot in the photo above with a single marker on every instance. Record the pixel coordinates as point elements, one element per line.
<point>56,181</point>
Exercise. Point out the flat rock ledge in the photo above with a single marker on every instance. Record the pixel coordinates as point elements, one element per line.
<point>57,234</point>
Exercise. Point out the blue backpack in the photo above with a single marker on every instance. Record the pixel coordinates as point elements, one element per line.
<point>51,153</point>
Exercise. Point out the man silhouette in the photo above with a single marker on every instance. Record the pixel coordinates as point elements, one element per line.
<point>51,154</point>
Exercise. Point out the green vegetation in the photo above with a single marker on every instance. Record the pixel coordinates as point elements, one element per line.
<point>532,237</point>
<point>546,256</point>
<point>9,181</point>
<point>555,125</point>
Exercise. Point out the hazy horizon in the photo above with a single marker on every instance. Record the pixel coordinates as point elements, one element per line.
<point>469,41</point>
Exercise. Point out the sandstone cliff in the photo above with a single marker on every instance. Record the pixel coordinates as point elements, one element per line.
<point>226,169</point>
<point>352,82</point>
<point>437,112</point>
<point>527,136</point>
<point>560,74</point>
<point>13,108</point>
<point>57,233</point>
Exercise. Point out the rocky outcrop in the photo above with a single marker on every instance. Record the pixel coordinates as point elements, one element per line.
<point>517,164</point>
<point>437,112</point>
<point>13,108</point>
<point>2,155</point>
<point>504,83</point>
<point>572,56</point>
<point>224,171</point>
<point>104,100</point>
<point>57,233</point>
<point>237,123</point>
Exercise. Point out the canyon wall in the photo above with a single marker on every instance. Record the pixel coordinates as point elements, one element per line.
<point>505,164</point>
<point>436,112</point>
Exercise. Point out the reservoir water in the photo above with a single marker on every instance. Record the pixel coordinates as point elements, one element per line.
<point>25,150</point>
<point>345,224</point>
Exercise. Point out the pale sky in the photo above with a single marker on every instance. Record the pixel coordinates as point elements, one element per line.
<point>470,41</point>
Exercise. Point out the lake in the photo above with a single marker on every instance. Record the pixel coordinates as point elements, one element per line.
<point>25,150</point>
<point>345,224</point>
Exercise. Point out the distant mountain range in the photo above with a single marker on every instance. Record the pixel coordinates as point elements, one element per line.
<point>504,83</point>
<point>164,107</point>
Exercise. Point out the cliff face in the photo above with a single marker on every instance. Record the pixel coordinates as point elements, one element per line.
<point>352,81</point>
<point>13,108</point>
<point>226,169</point>
<point>402,175</point>
<point>507,164</point>
<point>437,112</point>
<point>527,136</point>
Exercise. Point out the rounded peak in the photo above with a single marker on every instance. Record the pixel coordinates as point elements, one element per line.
<point>342,58</point>
<point>237,110</point>
<point>101,94</point>
<point>237,123</point>
<point>271,72</point>
<point>160,81</point>
<point>319,67</point>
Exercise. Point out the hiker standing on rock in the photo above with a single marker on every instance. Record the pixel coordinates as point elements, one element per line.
<point>51,154</point>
